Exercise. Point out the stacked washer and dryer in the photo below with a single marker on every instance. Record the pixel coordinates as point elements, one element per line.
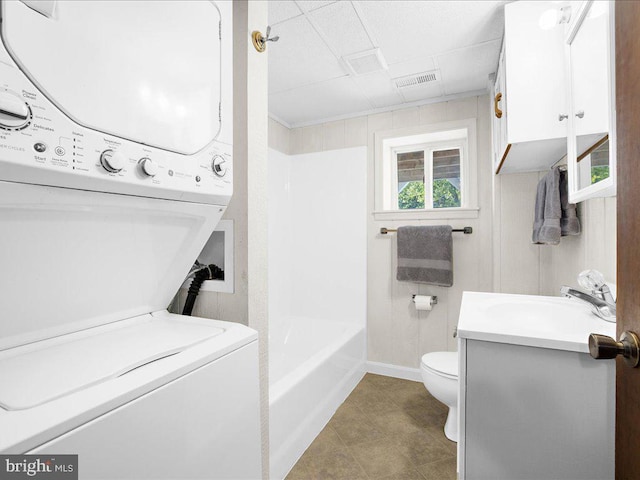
<point>115,167</point>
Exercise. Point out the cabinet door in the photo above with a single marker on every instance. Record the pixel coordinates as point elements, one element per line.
<point>589,52</point>
<point>534,69</point>
<point>499,115</point>
<point>591,139</point>
<point>536,414</point>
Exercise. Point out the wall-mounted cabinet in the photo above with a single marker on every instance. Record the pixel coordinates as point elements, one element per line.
<point>530,104</point>
<point>591,123</point>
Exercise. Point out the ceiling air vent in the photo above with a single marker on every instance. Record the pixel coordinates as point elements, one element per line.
<point>417,79</point>
<point>369,61</point>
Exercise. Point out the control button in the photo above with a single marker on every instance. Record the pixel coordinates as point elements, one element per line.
<point>171,173</point>
<point>198,178</point>
<point>40,147</point>
<point>15,114</point>
<point>112,162</point>
<point>218,164</point>
<point>60,151</point>
<point>148,167</point>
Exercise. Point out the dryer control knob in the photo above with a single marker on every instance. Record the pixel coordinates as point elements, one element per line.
<point>112,161</point>
<point>15,114</point>
<point>219,165</point>
<point>148,167</point>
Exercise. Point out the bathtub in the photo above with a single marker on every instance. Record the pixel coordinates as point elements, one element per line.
<point>313,366</point>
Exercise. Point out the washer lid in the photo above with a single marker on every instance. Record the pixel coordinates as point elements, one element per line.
<point>146,71</point>
<point>441,362</point>
<point>43,371</point>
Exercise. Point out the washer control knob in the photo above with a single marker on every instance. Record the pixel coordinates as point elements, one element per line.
<point>148,167</point>
<point>219,165</point>
<point>15,114</point>
<point>112,161</point>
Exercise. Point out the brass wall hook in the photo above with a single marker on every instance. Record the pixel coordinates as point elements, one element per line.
<point>260,41</point>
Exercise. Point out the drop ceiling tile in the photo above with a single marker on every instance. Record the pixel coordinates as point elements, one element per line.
<point>279,11</point>
<point>310,5</point>
<point>379,89</point>
<point>411,29</point>
<point>328,99</point>
<point>308,83</point>
<point>342,28</point>
<point>422,92</point>
<point>468,69</point>
<point>411,67</point>
<point>300,57</point>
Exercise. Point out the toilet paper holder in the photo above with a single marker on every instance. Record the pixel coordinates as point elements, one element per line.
<point>434,298</point>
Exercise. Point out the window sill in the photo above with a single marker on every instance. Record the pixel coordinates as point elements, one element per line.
<point>436,214</point>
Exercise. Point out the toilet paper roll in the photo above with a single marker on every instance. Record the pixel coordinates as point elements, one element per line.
<point>424,302</point>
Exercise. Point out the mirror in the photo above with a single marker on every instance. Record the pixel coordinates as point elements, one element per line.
<point>590,145</point>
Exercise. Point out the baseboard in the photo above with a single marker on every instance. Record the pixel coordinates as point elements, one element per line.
<point>396,371</point>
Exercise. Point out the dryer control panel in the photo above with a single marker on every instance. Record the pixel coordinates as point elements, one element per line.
<point>42,144</point>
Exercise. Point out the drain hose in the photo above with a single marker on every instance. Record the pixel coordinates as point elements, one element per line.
<point>210,272</point>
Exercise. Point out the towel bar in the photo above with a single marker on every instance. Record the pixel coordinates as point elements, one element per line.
<point>465,230</point>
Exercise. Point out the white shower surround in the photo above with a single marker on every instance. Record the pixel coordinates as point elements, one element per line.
<point>317,293</point>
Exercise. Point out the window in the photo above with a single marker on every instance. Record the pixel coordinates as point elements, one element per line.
<point>434,183</point>
<point>425,170</point>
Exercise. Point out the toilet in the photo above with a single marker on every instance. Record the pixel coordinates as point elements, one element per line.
<point>440,377</point>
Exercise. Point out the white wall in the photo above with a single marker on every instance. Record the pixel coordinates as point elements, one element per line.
<point>317,235</point>
<point>256,134</point>
<point>248,205</point>
<point>397,333</point>
<point>522,267</point>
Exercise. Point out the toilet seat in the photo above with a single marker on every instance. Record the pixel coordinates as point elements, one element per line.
<point>444,364</point>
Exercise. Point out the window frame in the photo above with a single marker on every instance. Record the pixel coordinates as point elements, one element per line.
<point>441,135</point>
<point>428,149</point>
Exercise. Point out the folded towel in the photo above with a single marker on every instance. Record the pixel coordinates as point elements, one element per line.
<point>548,210</point>
<point>569,222</point>
<point>425,255</point>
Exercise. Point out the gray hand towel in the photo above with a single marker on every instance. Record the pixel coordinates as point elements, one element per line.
<point>548,211</point>
<point>569,223</point>
<point>539,210</point>
<point>425,255</point>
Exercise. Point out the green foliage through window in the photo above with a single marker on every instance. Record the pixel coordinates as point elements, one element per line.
<point>411,196</point>
<point>599,173</point>
<point>445,194</point>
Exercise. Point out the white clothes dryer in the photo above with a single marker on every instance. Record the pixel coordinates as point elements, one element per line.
<point>115,167</point>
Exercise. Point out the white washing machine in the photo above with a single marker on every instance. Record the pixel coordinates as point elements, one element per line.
<point>115,167</point>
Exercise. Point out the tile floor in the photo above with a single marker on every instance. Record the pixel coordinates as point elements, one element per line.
<point>386,429</point>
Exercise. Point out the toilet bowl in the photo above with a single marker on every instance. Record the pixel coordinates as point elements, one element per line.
<point>440,377</point>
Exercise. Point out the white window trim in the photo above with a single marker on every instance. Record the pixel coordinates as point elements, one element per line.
<point>384,171</point>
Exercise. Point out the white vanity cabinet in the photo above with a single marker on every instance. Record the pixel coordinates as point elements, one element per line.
<point>533,404</point>
<point>530,135</point>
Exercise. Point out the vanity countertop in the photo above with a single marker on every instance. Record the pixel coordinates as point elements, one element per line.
<point>546,322</point>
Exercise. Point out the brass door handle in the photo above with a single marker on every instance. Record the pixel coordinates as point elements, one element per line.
<point>495,105</point>
<point>603,347</point>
